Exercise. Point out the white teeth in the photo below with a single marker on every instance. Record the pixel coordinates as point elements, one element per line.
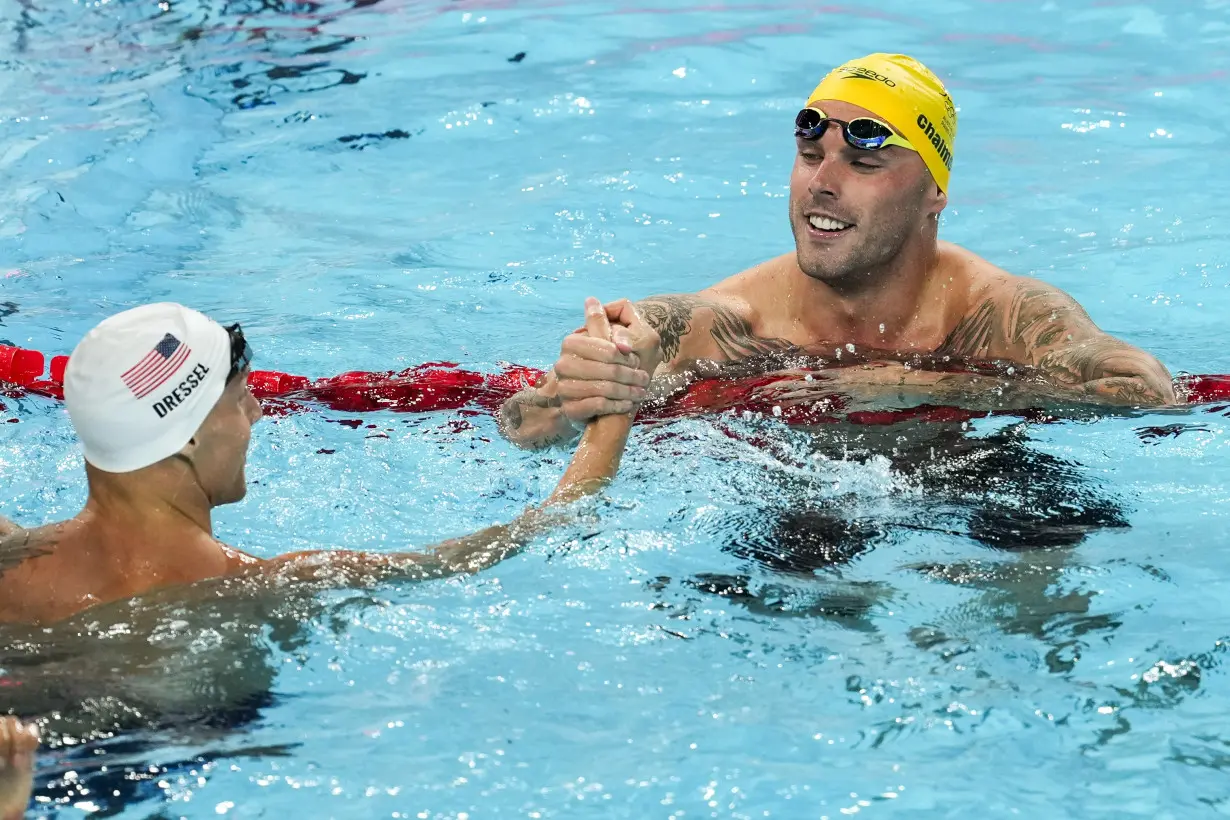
<point>823,223</point>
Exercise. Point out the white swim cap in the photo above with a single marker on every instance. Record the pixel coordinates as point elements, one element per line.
<point>139,384</point>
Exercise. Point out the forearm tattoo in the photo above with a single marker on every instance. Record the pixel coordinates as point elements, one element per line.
<point>1044,327</point>
<point>511,416</point>
<point>673,316</point>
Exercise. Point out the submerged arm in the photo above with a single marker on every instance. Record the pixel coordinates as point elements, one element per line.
<point>1042,326</point>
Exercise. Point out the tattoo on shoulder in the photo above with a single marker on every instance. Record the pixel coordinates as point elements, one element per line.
<point>972,337</point>
<point>17,547</point>
<point>672,317</point>
<point>1033,316</point>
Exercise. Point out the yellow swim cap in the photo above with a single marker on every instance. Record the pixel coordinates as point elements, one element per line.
<point>907,96</point>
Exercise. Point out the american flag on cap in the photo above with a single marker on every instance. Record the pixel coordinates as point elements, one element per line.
<point>157,367</point>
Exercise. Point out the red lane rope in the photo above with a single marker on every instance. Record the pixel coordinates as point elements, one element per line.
<point>445,386</point>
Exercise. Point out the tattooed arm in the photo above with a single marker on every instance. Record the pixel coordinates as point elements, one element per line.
<point>696,328</point>
<point>531,418</point>
<point>591,380</point>
<point>1036,324</point>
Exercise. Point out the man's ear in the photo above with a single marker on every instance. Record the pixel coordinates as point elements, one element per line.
<point>936,201</point>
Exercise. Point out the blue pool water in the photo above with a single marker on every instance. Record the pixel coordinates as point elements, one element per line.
<point>1013,618</point>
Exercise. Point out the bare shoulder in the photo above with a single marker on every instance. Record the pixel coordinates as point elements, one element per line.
<point>1026,320</point>
<point>752,291</point>
<point>719,323</point>
<point>1003,315</point>
<point>7,527</point>
<point>987,282</point>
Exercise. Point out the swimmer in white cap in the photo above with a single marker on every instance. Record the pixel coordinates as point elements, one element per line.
<point>158,396</point>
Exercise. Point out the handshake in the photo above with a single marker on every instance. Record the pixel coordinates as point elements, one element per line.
<point>604,369</point>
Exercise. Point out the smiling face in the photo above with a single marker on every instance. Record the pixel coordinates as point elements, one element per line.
<point>855,212</point>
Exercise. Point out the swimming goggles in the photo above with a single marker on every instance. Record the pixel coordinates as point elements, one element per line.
<point>863,133</point>
<point>241,351</point>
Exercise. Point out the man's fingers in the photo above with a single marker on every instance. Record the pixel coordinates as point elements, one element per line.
<point>576,390</point>
<point>622,312</point>
<point>595,320</point>
<point>597,350</point>
<point>28,739</point>
<point>16,738</point>
<point>587,409</point>
<point>616,310</point>
<point>622,338</point>
<point>571,368</point>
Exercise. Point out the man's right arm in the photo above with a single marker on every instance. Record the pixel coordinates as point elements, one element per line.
<point>592,379</point>
<point>594,464</point>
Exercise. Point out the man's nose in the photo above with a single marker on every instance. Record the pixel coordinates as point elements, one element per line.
<point>827,175</point>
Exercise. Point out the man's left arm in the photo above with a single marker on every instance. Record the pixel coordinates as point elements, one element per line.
<point>1047,328</point>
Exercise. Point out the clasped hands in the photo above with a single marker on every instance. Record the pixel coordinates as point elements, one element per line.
<point>605,367</point>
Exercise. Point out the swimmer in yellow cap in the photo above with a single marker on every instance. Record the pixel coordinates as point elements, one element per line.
<point>876,141</point>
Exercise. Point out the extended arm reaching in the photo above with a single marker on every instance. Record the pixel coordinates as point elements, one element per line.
<point>594,464</point>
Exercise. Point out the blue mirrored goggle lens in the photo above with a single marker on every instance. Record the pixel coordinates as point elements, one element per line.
<point>863,133</point>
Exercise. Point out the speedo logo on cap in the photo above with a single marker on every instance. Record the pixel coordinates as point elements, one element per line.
<point>937,141</point>
<point>855,72</point>
<point>180,393</point>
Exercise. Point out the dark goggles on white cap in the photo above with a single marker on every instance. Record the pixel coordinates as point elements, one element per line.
<point>241,351</point>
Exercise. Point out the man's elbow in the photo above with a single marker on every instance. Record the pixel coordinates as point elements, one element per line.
<point>1132,391</point>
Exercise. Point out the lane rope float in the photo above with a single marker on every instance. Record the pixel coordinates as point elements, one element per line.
<point>435,386</point>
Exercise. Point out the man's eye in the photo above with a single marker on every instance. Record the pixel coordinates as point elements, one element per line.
<point>858,163</point>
